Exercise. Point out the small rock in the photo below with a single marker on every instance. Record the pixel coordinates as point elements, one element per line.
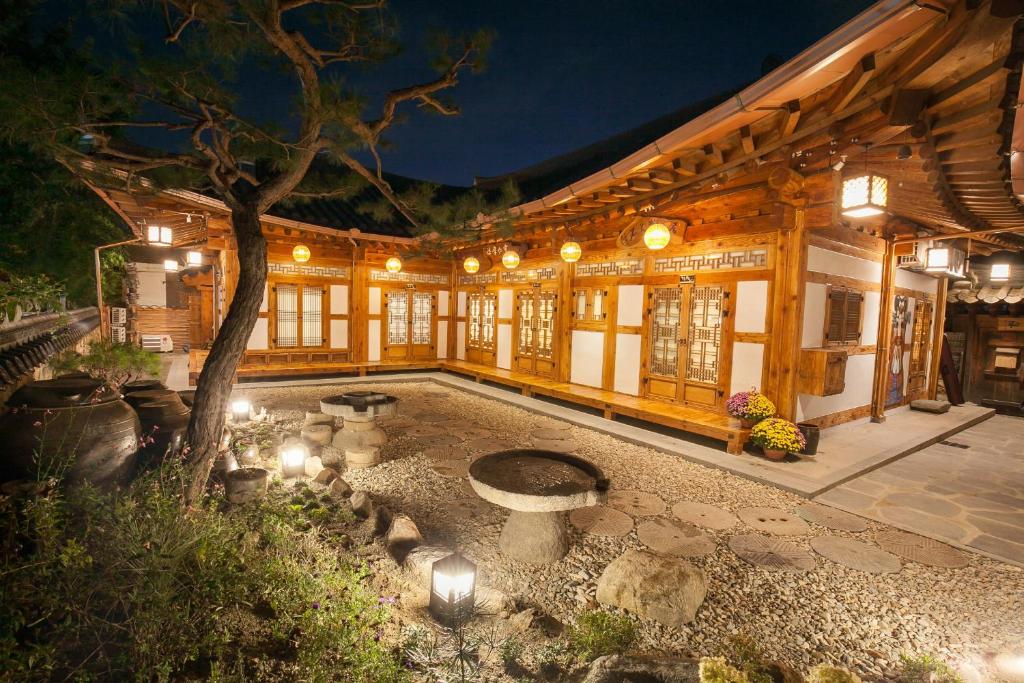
<point>665,589</point>
<point>521,621</point>
<point>318,418</point>
<point>617,668</point>
<point>340,488</point>
<point>313,466</point>
<point>402,536</point>
<point>318,434</point>
<point>333,457</point>
<point>325,476</point>
<point>420,562</point>
<point>361,504</point>
<point>493,601</point>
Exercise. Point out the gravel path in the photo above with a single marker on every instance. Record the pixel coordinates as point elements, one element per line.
<point>832,613</point>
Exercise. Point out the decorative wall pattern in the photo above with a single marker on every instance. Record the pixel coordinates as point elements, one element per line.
<point>529,274</point>
<point>478,279</point>
<point>599,268</point>
<point>318,271</point>
<point>722,260</point>
<point>424,278</point>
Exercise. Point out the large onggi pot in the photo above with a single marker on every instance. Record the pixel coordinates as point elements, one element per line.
<point>80,423</point>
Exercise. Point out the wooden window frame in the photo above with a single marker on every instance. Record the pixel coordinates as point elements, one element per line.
<point>325,316</point>
<point>479,343</point>
<point>845,341</point>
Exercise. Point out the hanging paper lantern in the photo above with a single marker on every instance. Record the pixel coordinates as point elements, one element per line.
<point>510,259</point>
<point>571,252</point>
<point>471,264</point>
<point>657,236</point>
<point>300,254</point>
<point>393,265</point>
<point>865,195</point>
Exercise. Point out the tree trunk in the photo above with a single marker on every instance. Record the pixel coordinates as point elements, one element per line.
<point>214,384</point>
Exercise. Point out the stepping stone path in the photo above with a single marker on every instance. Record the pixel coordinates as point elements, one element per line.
<point>438,440</point>
<point>771,553</point>
<point>451,468</point>
<point>551,423</point>
<point>397,422</point>
<point>556,445</point>
<point>773,521</point>
<point>471,432</point>
<point>547,433</point>
<point>832,518</point>
<point>487,445</point>
<point>921,549</point>
<point>455,425</point>
<point>702,514</point>
<point>674,538</point>
<point>856,555</point>
<point>468,508</point>
<point>430,417</point>
<point>446,453</point>
<point>636,503</point>
<point>423,430</point>
<point>601,521</point>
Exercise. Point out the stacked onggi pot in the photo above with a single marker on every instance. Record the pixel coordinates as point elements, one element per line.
<point>74,427</point>
<point>163,417</point>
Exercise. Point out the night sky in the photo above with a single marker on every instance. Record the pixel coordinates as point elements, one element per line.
<point>564,74</point>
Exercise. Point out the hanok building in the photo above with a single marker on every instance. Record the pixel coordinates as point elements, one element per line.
<point>803,235</point>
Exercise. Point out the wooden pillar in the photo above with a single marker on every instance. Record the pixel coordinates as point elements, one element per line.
<point>937,337</point>
<point>453,310</point>
<point>787,308</point>
<point>358,327</point>
<point>563,321</point>
<point>884,347</point>
<point>611,324</point>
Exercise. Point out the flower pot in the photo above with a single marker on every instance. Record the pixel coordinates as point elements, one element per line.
<point>812,433</point>
<point>747,422</point>
<point>246,484</point>
<point>774,454</point>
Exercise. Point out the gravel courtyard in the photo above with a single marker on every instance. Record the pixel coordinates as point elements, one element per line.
<point>828,613</point>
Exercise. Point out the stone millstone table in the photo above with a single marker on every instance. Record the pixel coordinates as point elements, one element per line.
<point>360,437</point>
<point>537,486</point>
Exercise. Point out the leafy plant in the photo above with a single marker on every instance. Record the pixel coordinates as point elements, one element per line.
<point>824,673</point>
<point>598,633</point>
<point>717,670</point>
<point>926,669</point>
<point>115,363</point>
<point>29,293</point>
<point>778,434</point>
<point>746,654</point>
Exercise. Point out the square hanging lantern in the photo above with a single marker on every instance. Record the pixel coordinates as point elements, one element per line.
<point>1000,272</point>
<point>293,460</point>
<point>452,589</point>
<point>945,260</point>
<point>240,410</point>
<point>865,195</point>
<point>171,266</point>
<point>195,258</point>
<point>159,236</point>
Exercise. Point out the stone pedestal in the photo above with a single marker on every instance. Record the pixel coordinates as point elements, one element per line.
<point>359,438</point>
<point>534,537</point>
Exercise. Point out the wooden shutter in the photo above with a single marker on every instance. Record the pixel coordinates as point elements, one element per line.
<point>836,317</point>
<point>854,301</point>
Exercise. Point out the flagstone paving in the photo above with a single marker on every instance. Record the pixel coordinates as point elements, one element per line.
<point>970,497</point>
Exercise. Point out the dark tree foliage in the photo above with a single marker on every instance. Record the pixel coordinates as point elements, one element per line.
<point>175,69</point>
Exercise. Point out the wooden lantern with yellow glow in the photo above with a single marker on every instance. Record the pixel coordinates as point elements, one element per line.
<point>571,252</point>
<point>657,236</point>
<point>393,265</point>
<point>301,253</point>
<point>510,259</point>
<point>471,264</point>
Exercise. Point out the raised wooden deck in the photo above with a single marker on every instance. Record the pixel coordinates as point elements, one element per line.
<point>296,368</point>
<point>611,403</point>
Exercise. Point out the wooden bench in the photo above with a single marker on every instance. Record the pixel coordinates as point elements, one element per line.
<point>611,403</point>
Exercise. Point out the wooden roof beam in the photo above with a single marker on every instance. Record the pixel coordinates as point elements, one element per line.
<point>684,168</point>
<point>790,118</point>
<point>853,83</point>
<point>746,140</point>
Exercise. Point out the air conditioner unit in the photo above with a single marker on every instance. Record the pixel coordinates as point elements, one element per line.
<point>917,259</point>
<point>119,334</point>
<point>160,343</point>
<point>118,316</point>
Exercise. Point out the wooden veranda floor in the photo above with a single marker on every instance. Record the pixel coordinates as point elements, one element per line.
<point>611,403</point>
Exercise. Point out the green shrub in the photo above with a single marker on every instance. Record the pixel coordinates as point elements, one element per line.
<point>749,657</point>
<point>131,586</point>
<point>717,670</point>
<point>598,633</point>
<point>824,673</point>
<point>926,669</point>
<point>115,363</point>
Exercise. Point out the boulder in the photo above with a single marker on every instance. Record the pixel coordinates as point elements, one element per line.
<point>520,622</point>
<point>318,434</point>
<point>314,465</point>
<point>420,562</point>
<point>318,418</point>
<point>665,589</point>
<point>340,488</point>
<point>361,503</point>
<point>402,536</point>
<point>325,476</point>
<point>622,668</point>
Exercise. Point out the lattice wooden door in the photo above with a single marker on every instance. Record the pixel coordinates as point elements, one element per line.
<point>536,338</point>
<point>920,340</point>
<point>411,317</point>
<point>481,327</point>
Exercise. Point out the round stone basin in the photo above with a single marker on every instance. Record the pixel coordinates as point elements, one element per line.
<point>533,480</point>
<point>359,405</point>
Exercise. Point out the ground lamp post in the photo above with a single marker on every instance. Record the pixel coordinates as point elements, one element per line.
<point>452,589</point>
<point>240,410</point>
<point>293,460</point>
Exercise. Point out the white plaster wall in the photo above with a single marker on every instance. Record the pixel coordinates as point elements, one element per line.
<point>442,337</point>
<point>152,279</point>
<point>859,376</point>
<point>587,361</point>
<point>631,305</point>
<point>918,281</point>
<point>339,334</point>
<point>442,303</point>
<point>747,365</point>
<point>460,338</point>
<point>373,304</point>
<point>504,346</point>
<point>751,305</point>
<point>505,303</point>
<point>259,338</point>
<point>373,336</point>
<point>870,310</point>
<point>815,296</point>
<point>265,304</point>
<point>627,364</point>
<point>460,304</point>
<point>339,299</point>
<point>825,261</point>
